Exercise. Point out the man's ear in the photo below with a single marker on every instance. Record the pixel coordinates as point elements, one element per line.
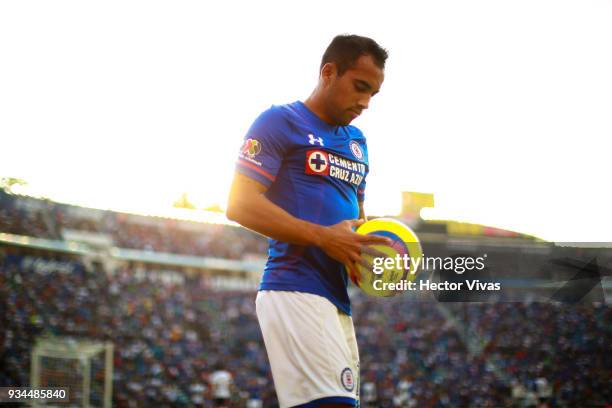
<point>328,72</point>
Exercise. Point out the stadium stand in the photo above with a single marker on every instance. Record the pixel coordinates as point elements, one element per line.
<point>46,219</point>
<point>173,327</point>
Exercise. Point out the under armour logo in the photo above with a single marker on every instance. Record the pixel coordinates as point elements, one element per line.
<point>312,140</point>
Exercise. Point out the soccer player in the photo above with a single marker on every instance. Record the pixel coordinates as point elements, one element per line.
<point>300,180</point>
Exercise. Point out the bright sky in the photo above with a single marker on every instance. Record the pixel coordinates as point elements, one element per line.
<point>503,110</point>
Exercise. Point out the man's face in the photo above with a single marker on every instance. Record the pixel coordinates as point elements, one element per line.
<point>349,94</point>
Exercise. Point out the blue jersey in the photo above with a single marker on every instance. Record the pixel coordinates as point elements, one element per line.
<point>315,172</point>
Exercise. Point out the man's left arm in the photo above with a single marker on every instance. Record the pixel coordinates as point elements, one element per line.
<point>361,192</point>
<point>361,198</point>
<point>362,215</point>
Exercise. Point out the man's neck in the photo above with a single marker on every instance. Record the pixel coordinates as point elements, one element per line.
<point>313,102</point>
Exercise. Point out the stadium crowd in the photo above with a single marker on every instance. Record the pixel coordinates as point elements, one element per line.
<point>170,336</point>
<point>47,219</point>
<point>175,334</point>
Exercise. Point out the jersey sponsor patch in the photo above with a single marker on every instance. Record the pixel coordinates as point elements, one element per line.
<point>251,148</point>
<point>317,162</point>
<point>322,163</point>
<point>347,379</point>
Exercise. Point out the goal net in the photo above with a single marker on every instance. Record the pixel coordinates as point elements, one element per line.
<point>84,367</point>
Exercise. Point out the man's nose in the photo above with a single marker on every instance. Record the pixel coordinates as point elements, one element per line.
<point>364,101</point>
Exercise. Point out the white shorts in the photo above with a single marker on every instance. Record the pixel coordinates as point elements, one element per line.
<point>312,349</point>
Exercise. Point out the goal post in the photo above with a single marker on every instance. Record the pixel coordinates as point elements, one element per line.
<point>84,367</point>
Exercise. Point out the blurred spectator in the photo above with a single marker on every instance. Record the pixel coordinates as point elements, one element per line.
<point>221,383</point>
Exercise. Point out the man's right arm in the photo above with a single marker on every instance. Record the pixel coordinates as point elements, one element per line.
<point>248,206</point>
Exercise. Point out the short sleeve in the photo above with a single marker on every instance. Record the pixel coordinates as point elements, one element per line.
<point>362,186</point>
<point>263,148</point>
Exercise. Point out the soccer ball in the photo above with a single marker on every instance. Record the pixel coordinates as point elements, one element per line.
<point>385,269</point>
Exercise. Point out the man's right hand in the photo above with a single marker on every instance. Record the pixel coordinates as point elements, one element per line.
<point>249,206</point>
<point>340,242</point>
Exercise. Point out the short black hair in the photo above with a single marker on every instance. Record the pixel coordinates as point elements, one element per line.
<point>345,50</point>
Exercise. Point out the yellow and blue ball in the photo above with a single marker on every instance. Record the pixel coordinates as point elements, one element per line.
<point>405,243</point>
